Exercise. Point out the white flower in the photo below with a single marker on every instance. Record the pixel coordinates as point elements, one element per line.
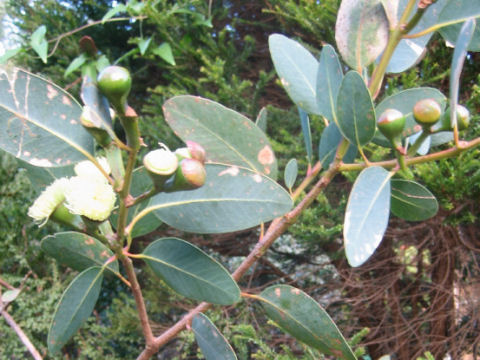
<point>88,169</point>
<point>90,197</point>
<point>48,200</point>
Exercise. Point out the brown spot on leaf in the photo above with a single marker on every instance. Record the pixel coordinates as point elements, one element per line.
<point>51,92</point>
<point>104,253</point>
<point>266,156</point>
<point>66,100</point>
<point>73,122</point>
<point>233,171</point>
<point>278,292</point>
<point>89,241</point>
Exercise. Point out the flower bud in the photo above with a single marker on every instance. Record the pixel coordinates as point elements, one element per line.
<point>190,175</point>
<point>52,197</point>
<point>391,123</point>
<point>463,119</point>
<point>196,150</point>
<point>115,82</point>
<point>88,169</point>
<point>160,164</point>
<point>427,112</point>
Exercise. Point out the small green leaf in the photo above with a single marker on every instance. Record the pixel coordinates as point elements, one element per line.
<point>412,201</point>
<point>261,120</point>
<point>457,11</point>
<point>404,101</point>
<point>213,344</point>
<point>459,55</point>
<point>233,198</point>
<point>329,142</point>
<point>75,306</point>
<point>367,213</point>
<point>227,136</point>
<point>165,52</point>
<point>355,112</point>
<point>291,172</point>
<point>297,69</point>
<point>302,317</point>
<point>101,63</point>
<point>361,32</point>
<point>10,295</point>
<point>329,79</point>
<point>39,43</point>
<point>114,11</point>
<point>9,54</point>
<point>143,45</point>
<point>307,133</point>
<point>191,272</point>
<point>40,121</point>
<point>78,251</point>
<point>75,64</point>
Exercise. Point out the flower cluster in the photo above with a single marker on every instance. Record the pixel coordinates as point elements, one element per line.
<point>88,194</point>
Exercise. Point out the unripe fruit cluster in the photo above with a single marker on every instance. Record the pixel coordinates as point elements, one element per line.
<point>176,171</point>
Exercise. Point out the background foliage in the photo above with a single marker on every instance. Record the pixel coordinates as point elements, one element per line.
<point>229,62</point>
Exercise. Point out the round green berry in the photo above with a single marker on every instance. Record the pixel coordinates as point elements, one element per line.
<point>391,123</point>
<point>427,112</point>
<point>115,82</point>
<point>463,119</point>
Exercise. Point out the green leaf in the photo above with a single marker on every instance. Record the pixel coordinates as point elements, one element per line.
<point>297,69</point>
<point>74,308</point>
<point>329,142</point>
<point>356,116</point>
<point>404,101</point>
<point>141,183</point>
<point>143,45</point>
<point>227,136</point>
<point>191,272</point>
<point>412,201</point>
<point>39,43</point>
<point>40,121</point>
<point>261,120</point>
<point>329,79</point>
<point>165,52</point>
<point>42,177</point>
<point>101,63</point>
<point>291,172</point>
<point>233,198</point>
<point>9,54</point>
<point>361,32</point>
<point>302,317</point>
<point>78,251</point>
<point>307,133</point>
<point>213,344</point>
<point>367,213</point>
<point>409,51</point>
<point>450,34</point>
<point>114,11</point>
<point>75,64</point>
<point>457,11</point>
<point>10,295</point>
<point>459,56</point>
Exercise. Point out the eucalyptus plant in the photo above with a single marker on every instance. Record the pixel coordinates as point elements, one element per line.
<point>226,178</point>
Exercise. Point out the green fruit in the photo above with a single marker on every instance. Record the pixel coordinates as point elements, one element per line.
<point>190,175</point>
<point>463,119</point>
<point>160,164</point>
<point>391,123</point>
<point>427,112</point>
<point>115,82</point>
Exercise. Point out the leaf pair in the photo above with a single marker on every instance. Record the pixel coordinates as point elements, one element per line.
<point>373,196</point>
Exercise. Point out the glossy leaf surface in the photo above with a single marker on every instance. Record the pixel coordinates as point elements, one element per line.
<point>291,172</point>
<point>329,79</point>
<point>412,201</point>
<point>361,32</point>
<point>99,105</point>
<point>355,112</point>
<point>329,142</point>
<point>40,121</point>
<point>297,69</point>
<point>457,11</point>
<point>165,52</point>
<point>213,344</point>
<point>78,251</point>
<point>410,51</point>
<point>232,199</point>
<point>450,33</point>
<point>74,308</point>
<point>404,101</point>
<point>367,213</point>
<point>191,272</point>
<point>459,55</point>
<point>227,136</point>
<point>303,318</point>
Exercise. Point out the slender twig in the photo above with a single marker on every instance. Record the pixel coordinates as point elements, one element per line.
<point>6,284</point>
<point>23,337</point>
